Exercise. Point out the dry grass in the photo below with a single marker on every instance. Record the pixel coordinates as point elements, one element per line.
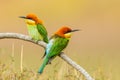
<point>58,70</point>
<point>65,72</point>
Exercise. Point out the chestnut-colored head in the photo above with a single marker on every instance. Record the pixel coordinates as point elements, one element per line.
<point>65,32</point>
<point>31,19</point>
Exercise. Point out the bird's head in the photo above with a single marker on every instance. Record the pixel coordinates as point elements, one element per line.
<point>65,32</point>
<point>31,19</point>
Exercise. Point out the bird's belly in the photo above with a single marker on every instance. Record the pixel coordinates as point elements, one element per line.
<point>33,32</point>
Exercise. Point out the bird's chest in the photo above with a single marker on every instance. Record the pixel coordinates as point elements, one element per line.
<point>33,32</point>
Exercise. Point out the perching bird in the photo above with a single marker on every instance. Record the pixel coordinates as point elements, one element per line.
<point>56,44</point>
<point>36,28</point>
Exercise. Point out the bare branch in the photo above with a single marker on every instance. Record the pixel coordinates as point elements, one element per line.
<point>43,44</point>
<point>76,66</point>
<point>21,37</point>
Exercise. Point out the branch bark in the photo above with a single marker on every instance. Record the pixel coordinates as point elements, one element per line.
<point>43,44</point>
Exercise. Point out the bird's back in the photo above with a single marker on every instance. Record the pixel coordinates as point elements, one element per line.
<point>43,32</point>
<point>55,46</point>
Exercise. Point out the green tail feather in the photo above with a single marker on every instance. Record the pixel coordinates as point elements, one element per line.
<point>43,65</point>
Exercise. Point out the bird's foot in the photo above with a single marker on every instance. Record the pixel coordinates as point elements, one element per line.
<point>49,62</point>
<point>36,41</point>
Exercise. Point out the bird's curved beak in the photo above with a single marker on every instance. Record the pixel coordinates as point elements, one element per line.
<point>22,17</point>
<point>75,30</point>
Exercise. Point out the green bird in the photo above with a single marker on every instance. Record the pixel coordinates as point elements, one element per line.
<point>56,44</point>
<point>36,28</point>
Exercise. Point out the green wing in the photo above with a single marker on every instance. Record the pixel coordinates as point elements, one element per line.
<point>58,45</point>
<point>43,32</point>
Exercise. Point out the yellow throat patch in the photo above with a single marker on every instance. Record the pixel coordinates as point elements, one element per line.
<point>67,35</point>
<point>30,22</point>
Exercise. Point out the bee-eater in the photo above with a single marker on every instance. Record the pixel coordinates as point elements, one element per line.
<point>56,44</point>
<point>35,27</point>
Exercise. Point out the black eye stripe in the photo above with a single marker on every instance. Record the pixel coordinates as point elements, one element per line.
<point>68,31</point>
<point>30,18</point>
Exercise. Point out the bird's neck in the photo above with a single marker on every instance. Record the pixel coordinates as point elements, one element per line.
<point>60,36</point>
<point>30,22</point>
<point>67,35</point>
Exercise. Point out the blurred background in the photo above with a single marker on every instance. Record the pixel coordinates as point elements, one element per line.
<point>95,48</point>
